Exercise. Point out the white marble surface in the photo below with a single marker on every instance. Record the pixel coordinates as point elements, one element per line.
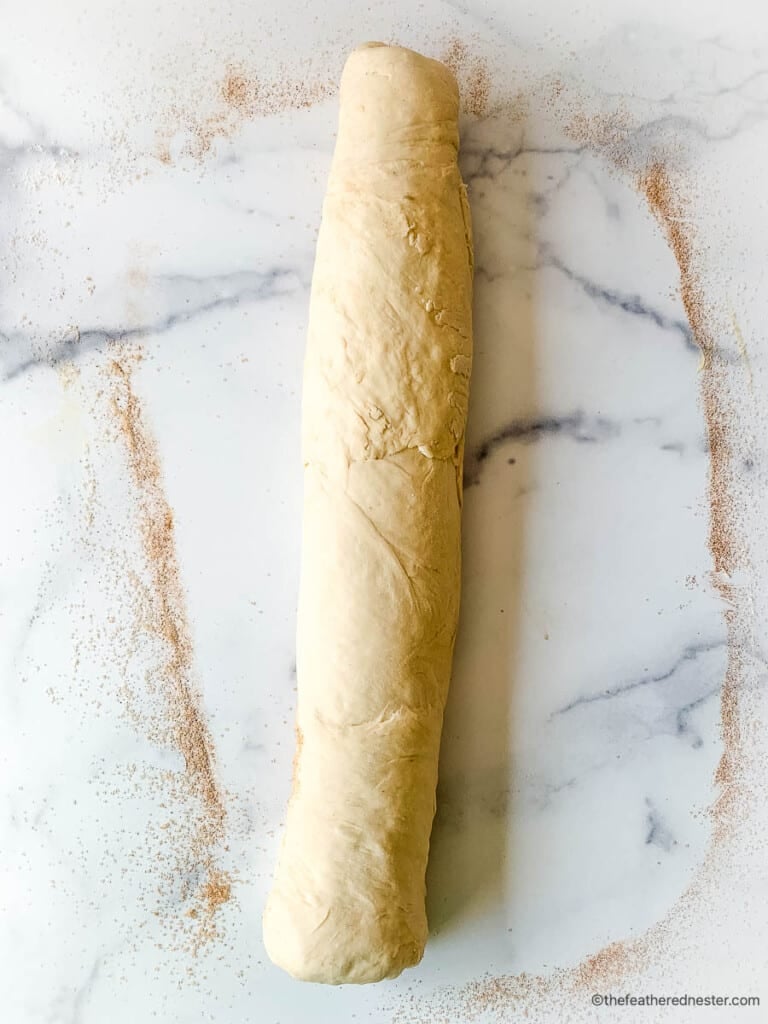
<point>583,729</point>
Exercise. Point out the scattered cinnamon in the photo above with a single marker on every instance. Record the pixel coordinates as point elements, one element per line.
<point>163,616</point>
<point>608,966</point>
<point>471,72</point>
<point>190,733</point>
<point>666,193</point>
<point>241,96</point>
<point>666,201</point>
<point>609,133</point>
<point>669,207</point>
<point>217,891</point>
<point>238,91</point>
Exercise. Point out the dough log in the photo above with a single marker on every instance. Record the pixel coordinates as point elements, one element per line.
<point>386,383</point>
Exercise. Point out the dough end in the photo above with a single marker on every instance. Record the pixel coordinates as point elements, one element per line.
<point>332,955</point>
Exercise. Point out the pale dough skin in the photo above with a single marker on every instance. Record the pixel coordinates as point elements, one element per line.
<point>386,383</point>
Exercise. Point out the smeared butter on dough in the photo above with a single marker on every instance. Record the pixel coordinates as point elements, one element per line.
<point>386,385</point>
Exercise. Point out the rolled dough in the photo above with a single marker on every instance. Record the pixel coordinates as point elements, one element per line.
<point>386,383</point>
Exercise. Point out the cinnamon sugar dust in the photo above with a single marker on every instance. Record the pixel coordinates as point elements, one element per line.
<point>471,73</point>
<point>666,200</point>
<point>177,721</point>
<point>238,97</point>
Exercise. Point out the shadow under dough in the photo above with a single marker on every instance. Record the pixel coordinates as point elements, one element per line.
<point>469,846</point>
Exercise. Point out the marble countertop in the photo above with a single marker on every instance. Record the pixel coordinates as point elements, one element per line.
<point>601,806</point>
